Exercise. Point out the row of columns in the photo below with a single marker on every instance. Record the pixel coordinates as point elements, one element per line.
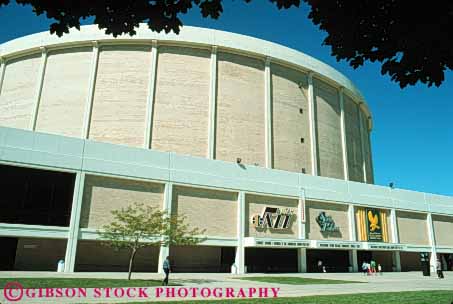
<point>74,230</point>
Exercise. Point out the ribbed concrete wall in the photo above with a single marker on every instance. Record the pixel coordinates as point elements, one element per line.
<point>65,91</point>
<point>18,94</point>
<point>240,109</point>
<point>289,126</point>
<point>353,140</point>
<point>120,95</point>
<point>186,91</point>
<point>181,102</point>
<point>328,130</point>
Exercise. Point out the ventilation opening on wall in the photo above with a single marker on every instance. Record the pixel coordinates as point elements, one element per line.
<point>303,170</point>
<point>302,140</point>
<point>301,111</point>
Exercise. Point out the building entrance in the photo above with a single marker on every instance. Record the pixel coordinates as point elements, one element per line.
<point>268,260</point>
<point>383,258</point>
<point>331,260</point>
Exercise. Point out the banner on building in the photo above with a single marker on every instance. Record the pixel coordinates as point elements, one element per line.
<point>374,225</point>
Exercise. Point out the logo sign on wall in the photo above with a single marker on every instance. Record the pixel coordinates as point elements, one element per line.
<point>374,225</point>
<point>274,218</point>
<point>326,223</point>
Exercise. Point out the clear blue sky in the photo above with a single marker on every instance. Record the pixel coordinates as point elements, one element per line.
<point>412,139</point>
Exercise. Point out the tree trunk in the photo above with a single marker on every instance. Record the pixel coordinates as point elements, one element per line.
<point>131,262</point>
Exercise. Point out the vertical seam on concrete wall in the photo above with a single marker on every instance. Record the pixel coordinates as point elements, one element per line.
<point>91,89</point>
<point>74,225</point>
<point>343,135</point>
<point>268,112</point>
<point>40,82</point>
<point>2,71</point>
<point>362,143</point>
<point>212,104</point>
<point>151,96</point>
<point>311,111</point>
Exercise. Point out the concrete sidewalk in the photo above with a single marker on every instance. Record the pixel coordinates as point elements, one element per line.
<point>389,282</point>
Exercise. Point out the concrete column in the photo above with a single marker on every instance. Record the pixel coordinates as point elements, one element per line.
<point>151,95</point>
<point>397,261</point>
<point>353,260</point>
<point>394,226</point>
<point>91,88</point>
<point>167,204</point>
<point>74,224</point>
<point>362,142</point>
<point>352,224</point>
<point>432,242</point>
<point>302,259</point>
<point>42,70</point>
<point>301,215</point>
<point>343,135</point>
<point>311,115</point>
<point>212,104</point>
<point>2,72</point>
<point>395,239</point>
<point>268,112</point>
<point>240,250</point>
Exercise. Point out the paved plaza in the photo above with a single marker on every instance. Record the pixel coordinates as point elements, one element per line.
<point>388,282</point>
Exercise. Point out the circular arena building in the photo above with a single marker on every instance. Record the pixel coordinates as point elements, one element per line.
<point>221,128</point>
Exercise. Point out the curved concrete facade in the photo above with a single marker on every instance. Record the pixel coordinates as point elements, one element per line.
<point>203,93</point>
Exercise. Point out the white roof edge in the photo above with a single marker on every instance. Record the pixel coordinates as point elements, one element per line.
<point>196,35</point>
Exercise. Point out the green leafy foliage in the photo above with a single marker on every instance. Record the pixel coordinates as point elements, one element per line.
<point>139,225</point>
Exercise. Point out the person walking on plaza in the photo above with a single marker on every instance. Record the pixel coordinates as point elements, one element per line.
<point>364,268</point>
<point>373,266</point>
<point>320,266</point>
<point>440,273</point>
<point>167,270</point>
<point>379,269</point>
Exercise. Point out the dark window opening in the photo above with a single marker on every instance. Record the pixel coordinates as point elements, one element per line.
<point>332,260</point>
<point>35,197</point>
<point>271,260</point>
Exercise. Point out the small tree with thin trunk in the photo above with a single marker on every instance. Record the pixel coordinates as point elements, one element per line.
<point>138,226</point>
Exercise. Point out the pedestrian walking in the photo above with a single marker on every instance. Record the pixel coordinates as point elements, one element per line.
<point>167,270</point>
<point>319,266</point>
<point>440,273</point>
<point>373,266</point>
<point>364,268</point>
<point>379,269</point>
